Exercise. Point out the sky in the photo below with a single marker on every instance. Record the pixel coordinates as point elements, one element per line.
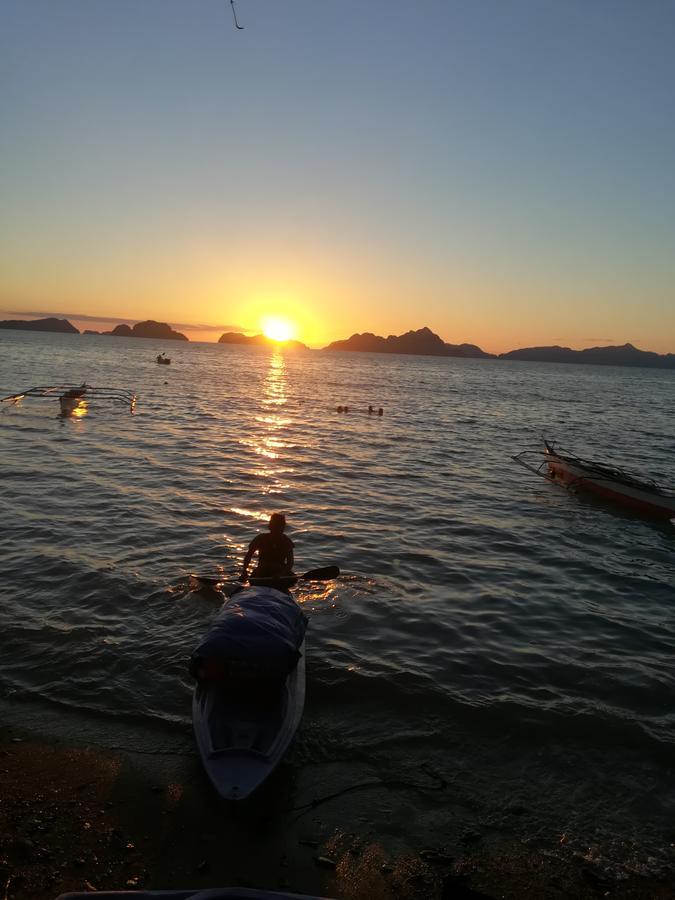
<point>501,171</point>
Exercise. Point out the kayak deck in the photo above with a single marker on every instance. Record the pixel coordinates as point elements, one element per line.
<point>242,740</point>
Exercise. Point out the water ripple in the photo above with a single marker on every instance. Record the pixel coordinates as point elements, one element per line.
<point>472,591</point>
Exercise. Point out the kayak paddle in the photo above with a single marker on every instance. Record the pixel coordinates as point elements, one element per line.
<point>326,573</point>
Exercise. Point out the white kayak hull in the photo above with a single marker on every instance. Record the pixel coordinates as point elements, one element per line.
<point>241,743</point>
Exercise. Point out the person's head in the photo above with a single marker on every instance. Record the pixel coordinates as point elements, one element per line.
<point>277,523</point>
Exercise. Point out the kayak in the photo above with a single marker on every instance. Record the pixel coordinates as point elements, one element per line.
<point>243,735</point>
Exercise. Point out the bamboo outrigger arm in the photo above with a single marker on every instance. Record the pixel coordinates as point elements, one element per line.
<point>73,392</point>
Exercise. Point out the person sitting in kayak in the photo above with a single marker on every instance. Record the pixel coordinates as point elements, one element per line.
<point>275,551</point>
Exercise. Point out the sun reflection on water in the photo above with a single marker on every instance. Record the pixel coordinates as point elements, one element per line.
<point>274,424</point>
<point>249,513</point>
<point>270,437</point>
<point>275,382</point>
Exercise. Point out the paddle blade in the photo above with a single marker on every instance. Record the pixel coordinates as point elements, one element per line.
<point>209,580</point>
<point>323,574</point>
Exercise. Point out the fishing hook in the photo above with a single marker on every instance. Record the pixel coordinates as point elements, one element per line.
<point>234,13</point>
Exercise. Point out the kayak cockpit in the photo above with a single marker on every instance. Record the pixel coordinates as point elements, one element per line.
<point>242,737</point>
<point>239,726</point>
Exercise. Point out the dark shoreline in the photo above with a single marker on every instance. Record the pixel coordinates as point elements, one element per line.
<point>75,816</point>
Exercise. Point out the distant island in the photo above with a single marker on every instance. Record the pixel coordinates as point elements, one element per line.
<point>148,329</point>
<point>59,325</point>
<point>422,342</point>
<point>236,337</point>
<point>625,355</point>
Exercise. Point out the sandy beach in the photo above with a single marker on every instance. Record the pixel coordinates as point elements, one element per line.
<point>74,817</point>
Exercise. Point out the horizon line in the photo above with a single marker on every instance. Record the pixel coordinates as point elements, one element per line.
<point>238,329</point>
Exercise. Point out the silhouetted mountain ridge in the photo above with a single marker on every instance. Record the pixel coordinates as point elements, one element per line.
<point>624,355</point>
<point>422,342</point>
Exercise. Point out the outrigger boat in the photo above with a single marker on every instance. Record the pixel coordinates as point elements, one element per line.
<point>74,397</point>
<point>610,482</point>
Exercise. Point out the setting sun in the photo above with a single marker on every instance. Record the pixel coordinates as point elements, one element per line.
<point>278,329</point>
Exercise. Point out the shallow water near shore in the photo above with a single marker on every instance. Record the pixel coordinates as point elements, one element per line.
<point>490,632</point>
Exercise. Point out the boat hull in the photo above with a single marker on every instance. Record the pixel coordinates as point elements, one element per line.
<point>645,502</point>
<point>68,404</point>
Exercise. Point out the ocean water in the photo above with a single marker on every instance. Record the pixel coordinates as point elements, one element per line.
<point>515,636</point>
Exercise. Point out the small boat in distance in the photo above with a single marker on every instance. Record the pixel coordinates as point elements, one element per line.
<point>75,398</point>
<point>163,360</point>
<point>609,482</point>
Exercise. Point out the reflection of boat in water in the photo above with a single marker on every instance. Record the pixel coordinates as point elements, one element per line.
<point>609,482</point>
<point>74,399</point>
<point>163,360</point>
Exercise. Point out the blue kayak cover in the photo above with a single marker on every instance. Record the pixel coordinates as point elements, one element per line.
<point>259,625</point>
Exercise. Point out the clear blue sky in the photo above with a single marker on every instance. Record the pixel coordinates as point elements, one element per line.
<point>503,172</point>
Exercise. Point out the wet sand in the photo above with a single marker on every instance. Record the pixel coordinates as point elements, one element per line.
<point>79,818</point>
